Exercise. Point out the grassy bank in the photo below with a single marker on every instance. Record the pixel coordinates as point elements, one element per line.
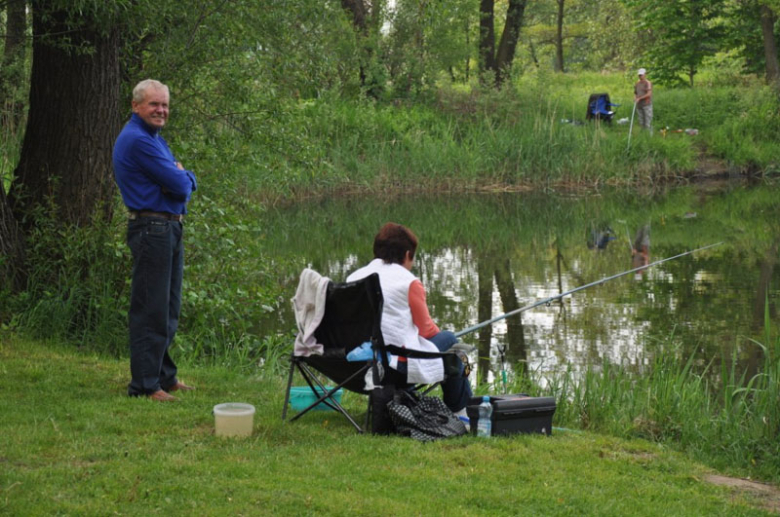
<point>732,422</point>
<point>532,135</point>
<point>728,420</point>
<point>73,443</point>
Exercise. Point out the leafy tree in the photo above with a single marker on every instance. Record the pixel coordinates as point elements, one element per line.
<point>608,39</point>
<point>12,69</point>
<point>742,25</point>
<point>541,31</point>
<point>751,33</point>
<point>366,17</point>
<point>559,36</point>
<point>87,54</point>
<point>11,246</point>
<point>592,36</point>
<point>498,61</point>
<point>72,121</point>
<point>425,39</point>
<point>768,22</point>
<point>241,58</point>
<point>453,33</point>
<point>406,46</point>
<point>11,109</point>
<point>679,35</point>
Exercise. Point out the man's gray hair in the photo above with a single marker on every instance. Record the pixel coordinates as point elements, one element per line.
<point>139,92</point>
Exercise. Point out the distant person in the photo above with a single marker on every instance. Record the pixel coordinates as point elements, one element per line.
<point>643,97</point>
<point>406,321</point>
<point>640,252</point>
<point>155,187</point>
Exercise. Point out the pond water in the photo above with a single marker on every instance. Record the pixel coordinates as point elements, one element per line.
<point>482,255</point>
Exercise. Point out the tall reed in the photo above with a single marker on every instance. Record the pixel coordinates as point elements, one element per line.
<point>725,418</point>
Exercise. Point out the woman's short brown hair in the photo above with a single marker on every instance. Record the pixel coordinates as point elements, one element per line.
<point>393,241</point>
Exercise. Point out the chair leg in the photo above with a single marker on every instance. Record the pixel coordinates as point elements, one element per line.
<point>289,386</point>
<point>369,412</point>
<point>325,398</point>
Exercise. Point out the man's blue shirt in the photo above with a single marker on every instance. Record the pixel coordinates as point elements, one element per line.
<point>146,173</point>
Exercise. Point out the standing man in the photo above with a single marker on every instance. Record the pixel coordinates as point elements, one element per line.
<point>155,188</point>
<point>643,97</point>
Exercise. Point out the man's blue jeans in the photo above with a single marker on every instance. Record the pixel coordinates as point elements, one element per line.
<point>457,390</point>
<point>155,301</point>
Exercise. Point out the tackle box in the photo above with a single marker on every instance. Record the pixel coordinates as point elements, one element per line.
<point>514,414</point>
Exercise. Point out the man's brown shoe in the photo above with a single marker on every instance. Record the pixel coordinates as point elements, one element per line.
<point>180,386</point>
<point>162,396</point>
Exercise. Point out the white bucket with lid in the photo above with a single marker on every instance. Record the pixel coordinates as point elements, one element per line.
<point>234,419</point>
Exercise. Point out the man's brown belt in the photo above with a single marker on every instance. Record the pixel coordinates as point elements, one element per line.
<point>135,214</point>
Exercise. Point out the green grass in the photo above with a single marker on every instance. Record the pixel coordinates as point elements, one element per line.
<point>71,442</point>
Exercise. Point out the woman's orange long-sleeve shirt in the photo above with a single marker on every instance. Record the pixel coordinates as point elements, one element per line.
<point>419,307</point>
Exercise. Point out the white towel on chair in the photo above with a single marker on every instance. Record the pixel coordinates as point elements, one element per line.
<point>425,371</point>
<point>309,307</point>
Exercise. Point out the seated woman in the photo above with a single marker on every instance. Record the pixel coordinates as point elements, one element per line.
<point>406,321</point>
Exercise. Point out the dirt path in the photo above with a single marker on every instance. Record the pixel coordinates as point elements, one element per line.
<point>766,496</point>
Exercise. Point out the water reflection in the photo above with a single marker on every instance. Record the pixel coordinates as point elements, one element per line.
<point>640,251</point>
<point>485,255</point>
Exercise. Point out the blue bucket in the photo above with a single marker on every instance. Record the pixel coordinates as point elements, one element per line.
<point>302,397</point>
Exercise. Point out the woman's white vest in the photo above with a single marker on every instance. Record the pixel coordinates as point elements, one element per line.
<point>398,328</point>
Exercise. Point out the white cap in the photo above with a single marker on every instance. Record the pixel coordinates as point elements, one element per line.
<point>641,71</point>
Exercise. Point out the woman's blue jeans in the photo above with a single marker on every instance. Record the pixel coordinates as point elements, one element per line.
<point>457,390</point>
<point>155,301</point>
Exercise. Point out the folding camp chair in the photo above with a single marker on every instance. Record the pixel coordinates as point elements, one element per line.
<point>600,107</point>
<point>353,316</point>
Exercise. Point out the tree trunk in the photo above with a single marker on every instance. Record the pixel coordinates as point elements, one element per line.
<point>11,247</point>
<point>532,51</point>
<point>73,120</point>
<point>12,71</point>
<point>366,21</point>
<point>487,41</point>
<point>509,38</point>
<point>467,66</point>
<point>359,13</point>
<point>515,334</point>
<point>559,38</point>
<point>484,313</point>
<point>558,263</point>
<point>768,20</point>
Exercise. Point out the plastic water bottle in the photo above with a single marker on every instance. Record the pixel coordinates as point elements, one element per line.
<point>485,424</point>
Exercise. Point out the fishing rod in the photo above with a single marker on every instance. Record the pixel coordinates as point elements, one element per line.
<point>580,288</point>
<point>631,127</point>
